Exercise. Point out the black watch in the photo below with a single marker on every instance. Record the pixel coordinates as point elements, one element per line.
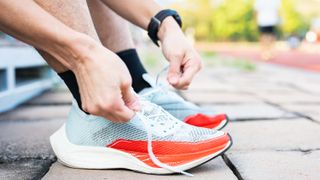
<point>156,21</point>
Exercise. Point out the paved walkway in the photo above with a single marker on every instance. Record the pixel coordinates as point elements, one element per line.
<point>275,126</point>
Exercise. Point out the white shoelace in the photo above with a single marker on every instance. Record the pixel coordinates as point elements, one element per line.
<point>154,159</point>
<point>158,86</point>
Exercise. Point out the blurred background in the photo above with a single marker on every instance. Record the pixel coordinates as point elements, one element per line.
<point>227,28</point>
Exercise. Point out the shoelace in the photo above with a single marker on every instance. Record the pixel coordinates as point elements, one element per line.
<point>154,159</point>
<point>158,86</point>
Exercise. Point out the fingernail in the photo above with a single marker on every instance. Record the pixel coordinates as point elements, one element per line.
<point>136,105</point>
<point>173,79</point>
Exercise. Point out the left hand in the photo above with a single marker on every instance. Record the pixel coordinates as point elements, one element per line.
<point>184,60</point>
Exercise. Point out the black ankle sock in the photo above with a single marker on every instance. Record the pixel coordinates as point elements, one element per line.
<point>131,59</point>
<point>70,80</point>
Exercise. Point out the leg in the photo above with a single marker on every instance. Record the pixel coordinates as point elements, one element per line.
<point>74,14</point>
<point>114,34</point>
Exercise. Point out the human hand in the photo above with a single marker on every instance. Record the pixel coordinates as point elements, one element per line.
<point>184,60</point>
<point>104,84</point>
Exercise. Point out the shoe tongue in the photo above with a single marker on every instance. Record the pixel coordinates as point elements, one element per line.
<point>151,81</point>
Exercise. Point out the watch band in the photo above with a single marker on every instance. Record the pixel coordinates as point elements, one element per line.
<point>156,21</point>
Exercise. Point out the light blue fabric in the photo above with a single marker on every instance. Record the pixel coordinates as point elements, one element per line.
<point>170,101</point>
<point>89,130</point>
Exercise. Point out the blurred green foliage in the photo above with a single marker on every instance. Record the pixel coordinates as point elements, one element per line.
<point>225,20</point>
<point>292,21</point>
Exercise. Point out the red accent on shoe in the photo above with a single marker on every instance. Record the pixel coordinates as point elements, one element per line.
<point>171,153</point>
<point>202,120</point>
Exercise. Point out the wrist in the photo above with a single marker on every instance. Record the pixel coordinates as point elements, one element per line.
<point>74,50</point>
<point>169,25</point>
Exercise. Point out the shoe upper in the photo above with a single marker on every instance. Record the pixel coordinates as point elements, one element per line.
<point>170,101</point>
<point>83,129</point>
<point>153,136</point>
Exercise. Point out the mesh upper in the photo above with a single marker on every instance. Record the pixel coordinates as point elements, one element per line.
<point>173,103</point>
<point>83,129</point>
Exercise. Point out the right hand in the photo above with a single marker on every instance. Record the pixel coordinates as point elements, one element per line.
<point>105,85</point>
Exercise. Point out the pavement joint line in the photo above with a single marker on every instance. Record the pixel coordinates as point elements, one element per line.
<point>299,114</point>
<point>306,117</point>
<point>305,151</point>
<point>263,119</point>
<point>294,102</point>
<point>233,168</point>
<point>226,160</point>
<point>297,88</point>
<point>225,103</point>
<point>47,104</point>
<point>216,91</point>
<point>44,170</point>
<point>4,159</point>
<point>275,105</point>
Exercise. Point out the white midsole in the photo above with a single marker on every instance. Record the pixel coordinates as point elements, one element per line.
<point>89,157</point>
<point>222,124</point>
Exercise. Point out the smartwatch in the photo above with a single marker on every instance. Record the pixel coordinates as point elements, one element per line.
<point>156,21</point>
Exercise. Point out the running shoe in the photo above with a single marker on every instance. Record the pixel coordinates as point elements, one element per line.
<point>180,108</point>
<point>152,142</point>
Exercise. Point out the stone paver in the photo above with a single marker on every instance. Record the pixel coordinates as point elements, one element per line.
<point>24,113</point>
<point>214,169</point>
<point>289,98</point>
<point>271,140</point>
<point>203,82</point>
<point>277,149</point>
<point>20,140</point>
<point>310,110</point>
<point>266,165</point>
<point>249,111</point>
<point>24,169</point>
<point>25,151</point>
<point>52,98</point>
<point>289,134</point>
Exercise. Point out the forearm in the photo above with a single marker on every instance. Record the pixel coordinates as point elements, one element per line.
<point>30,23</point>
<point>140,12</point>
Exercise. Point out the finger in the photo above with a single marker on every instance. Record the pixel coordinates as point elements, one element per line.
<point>123,114</point>
<point>174,71</point>
<point>130,98</point>
<point>187,76</point>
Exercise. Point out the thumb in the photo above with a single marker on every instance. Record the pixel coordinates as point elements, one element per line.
<point>130,98</point>
<point>174,72</point>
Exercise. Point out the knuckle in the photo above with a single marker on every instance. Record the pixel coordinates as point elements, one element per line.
<point>127,83</point>
<point>84,108</point>
<point>188,82</point>
<point>105,106</point>
<point>92,110</point>
<point>176,55</point>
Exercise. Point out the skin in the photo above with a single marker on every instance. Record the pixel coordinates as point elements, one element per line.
<point>184,60</point>
<point>65,36</point>
<point>113,30</point>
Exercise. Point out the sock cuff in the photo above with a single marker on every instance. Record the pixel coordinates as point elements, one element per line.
<point>127,52</point>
